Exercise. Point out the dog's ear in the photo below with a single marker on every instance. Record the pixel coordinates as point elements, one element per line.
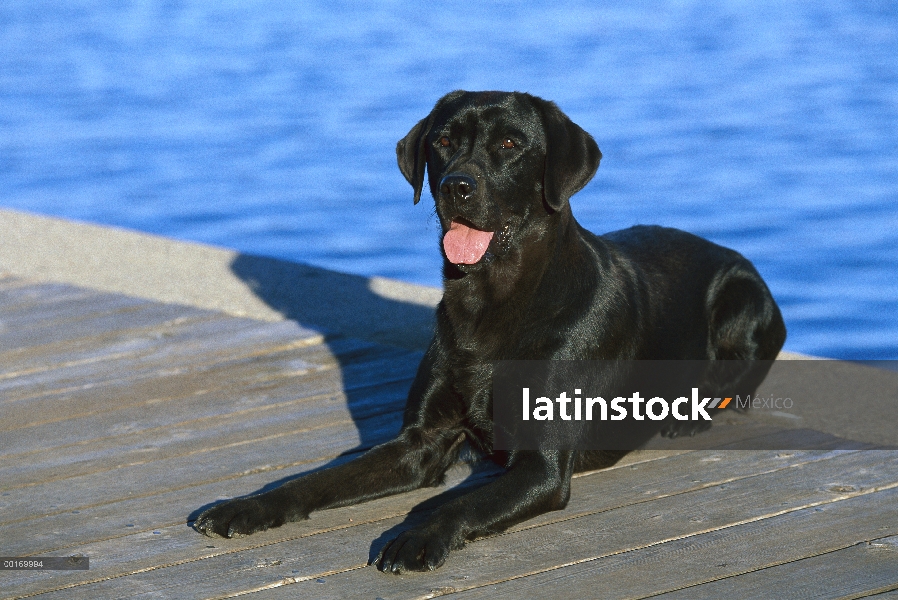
<point>411,151</point>
<point>411,154</point>
<point>572,157</point>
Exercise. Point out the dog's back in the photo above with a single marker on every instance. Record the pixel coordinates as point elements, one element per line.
<point>701,300</point>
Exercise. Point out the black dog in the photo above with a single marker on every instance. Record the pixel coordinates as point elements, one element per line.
<point>523,280</point>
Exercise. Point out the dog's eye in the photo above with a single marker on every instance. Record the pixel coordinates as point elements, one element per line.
<point>444,142</point>
<point>508,144</point>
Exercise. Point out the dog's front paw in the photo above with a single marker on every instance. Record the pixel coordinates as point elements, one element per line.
<point>243,516</point>
<point>415,550</point>
<point>674,429</point>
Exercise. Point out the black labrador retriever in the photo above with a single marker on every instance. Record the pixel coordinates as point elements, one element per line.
<point>523,280</point>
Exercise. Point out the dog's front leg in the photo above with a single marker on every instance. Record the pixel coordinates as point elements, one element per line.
<point>416,458</point>
<point>535,483</point>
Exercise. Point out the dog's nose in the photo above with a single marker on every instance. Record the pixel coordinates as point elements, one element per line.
<point>460,186</point>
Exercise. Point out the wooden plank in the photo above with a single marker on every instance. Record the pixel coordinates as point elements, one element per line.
<point>161,359</point>
<point>44,372</point>
<point>313,440</point>
<point>33,310</point>
<point>252,420</point>
<point>94,316</point>
<point>138,514</point>
<point>267,413</point>
<point>198,329</point>
<point>228,349</point>
<point>128,405</point>
<point>17,295</point>
<point>177,544</point>
<point>540,551</point>
<point>154,507</point>
<point>146,510</point>
<point>858,571</point>
<point>644,572</point>
<point>143,511</point>
<point>317,555</point>
<point>755,546</point>
<point>79,318</point>
<point>93,348</point>
<point>226,377</point>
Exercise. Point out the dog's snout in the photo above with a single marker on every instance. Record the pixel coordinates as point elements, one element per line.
<point>458,186</point>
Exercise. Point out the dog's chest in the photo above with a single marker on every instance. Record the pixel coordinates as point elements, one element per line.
<point>487,332</point>
<point>472,381</point>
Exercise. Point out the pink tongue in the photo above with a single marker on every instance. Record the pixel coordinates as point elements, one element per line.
<point>465,245</point>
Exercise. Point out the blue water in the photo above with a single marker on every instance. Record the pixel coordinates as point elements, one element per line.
<point>270,127</point>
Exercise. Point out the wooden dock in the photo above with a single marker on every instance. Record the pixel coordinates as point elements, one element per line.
<point>121,418</point>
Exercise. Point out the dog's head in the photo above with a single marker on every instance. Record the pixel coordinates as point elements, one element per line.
<point>498,164</point>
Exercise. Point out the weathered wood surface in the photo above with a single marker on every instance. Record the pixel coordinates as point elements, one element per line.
<point>121,418</point>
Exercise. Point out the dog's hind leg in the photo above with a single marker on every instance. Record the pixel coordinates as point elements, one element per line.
<point>745,334</point>
<point>746,330</point>
<point>744,320</point>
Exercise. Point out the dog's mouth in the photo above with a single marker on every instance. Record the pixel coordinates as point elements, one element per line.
<point>464,244</point>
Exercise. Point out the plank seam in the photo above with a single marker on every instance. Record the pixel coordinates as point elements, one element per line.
<point>771,566</point>
<point>703,486</point>
<point>231,476</point>
<point>194,368</point>
<point>829,456</point>
<point>14,457</point>
<point>757,519</point>
<point>134,332</point>
<point>874,593</point>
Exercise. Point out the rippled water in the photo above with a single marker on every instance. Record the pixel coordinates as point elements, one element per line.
<point>270,127</point>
